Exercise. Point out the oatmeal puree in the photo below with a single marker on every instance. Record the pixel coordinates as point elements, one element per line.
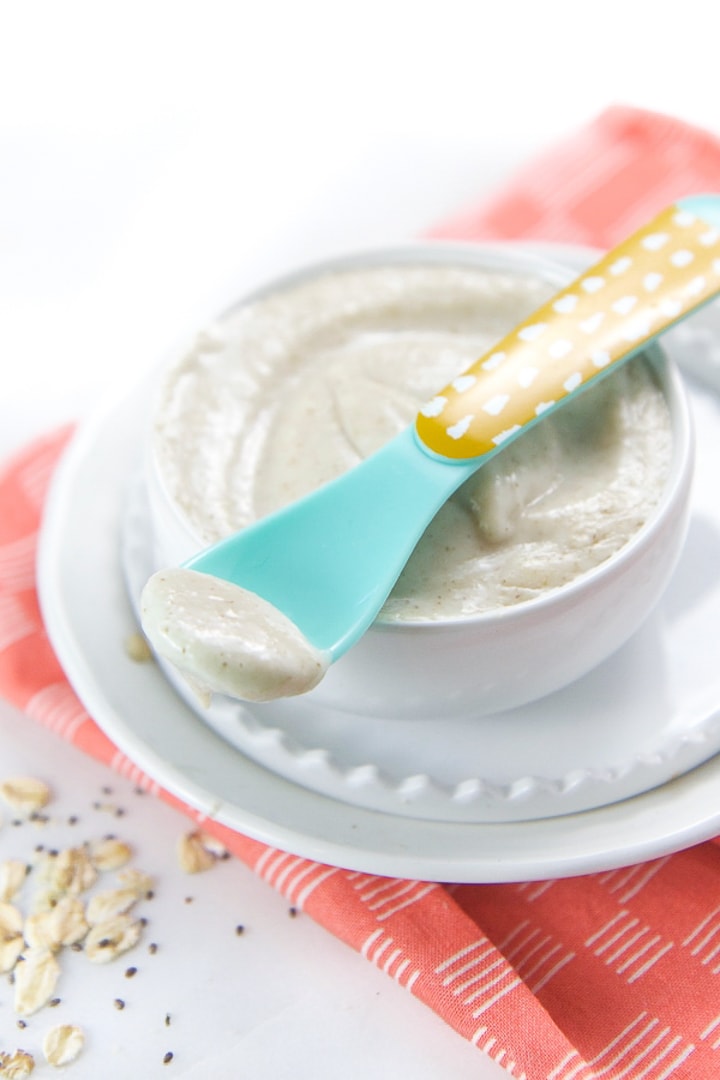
<point>224,638</point>
<point>293,389</point>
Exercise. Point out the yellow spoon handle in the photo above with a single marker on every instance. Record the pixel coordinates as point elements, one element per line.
<point>651,280</point>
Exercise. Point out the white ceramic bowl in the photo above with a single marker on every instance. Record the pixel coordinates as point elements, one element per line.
<point>509,656</point>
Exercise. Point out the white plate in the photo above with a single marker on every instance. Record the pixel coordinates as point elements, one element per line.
<point>81,575</point>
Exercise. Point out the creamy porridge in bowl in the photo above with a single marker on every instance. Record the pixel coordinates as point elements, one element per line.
<point>540,566</point>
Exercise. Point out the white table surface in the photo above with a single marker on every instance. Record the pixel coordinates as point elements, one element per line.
<point>157,159</point>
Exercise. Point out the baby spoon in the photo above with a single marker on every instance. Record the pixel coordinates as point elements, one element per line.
<point>329,561</point>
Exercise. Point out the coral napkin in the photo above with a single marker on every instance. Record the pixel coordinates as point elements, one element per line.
<point>609,975</point>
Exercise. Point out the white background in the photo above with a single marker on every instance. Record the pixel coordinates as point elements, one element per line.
<point>155,160</point>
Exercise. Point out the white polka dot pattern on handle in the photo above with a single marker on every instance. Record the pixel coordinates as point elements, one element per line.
<point>621,265</point>
<point>565,304</point>
<point>590,325</point>
<point>654,241</point>
<point>456,431</point>
<point>495,405</point>
<point>463,383</point>
<point>493,361</point>
<point>624,305</point>
<point>531,332</point>
<point>657,275</point>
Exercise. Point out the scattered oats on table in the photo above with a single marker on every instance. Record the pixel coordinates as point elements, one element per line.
<point>110,853</point>
<point>57,911</point>
<point>25,794</point>
<point>36,976</point>
<point>141,882</point>
<point>16,1066</point>
<point>109,903</point>
<point>11,936</point>
<point>197,852</point>
<point>12,877</point>
<point>63,1044</point>
<point>56,914</point>
<point>112,938</point>
<point>71,871</point>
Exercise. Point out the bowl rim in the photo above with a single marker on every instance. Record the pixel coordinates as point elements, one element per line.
<point>510,256</point>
